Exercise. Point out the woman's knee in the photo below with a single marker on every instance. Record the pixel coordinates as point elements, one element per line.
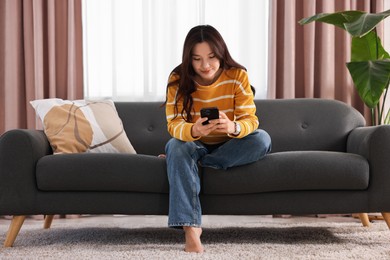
<point>262,139</point>
<point>177,146</point>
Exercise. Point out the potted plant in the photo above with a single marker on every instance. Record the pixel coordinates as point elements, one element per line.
<point>370,62</point>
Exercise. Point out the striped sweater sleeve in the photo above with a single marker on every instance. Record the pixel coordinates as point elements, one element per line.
<point>244,108</point>
<point>177,126</point>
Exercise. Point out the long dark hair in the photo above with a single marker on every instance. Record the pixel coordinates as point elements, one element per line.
<point>198,34</point>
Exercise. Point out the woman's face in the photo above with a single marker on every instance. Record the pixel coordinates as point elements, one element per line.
<point>205,63</point>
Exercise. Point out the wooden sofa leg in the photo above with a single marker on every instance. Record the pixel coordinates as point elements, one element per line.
<point>364,219</point>
<point>386,217</point>
<point>13,231</point>
<point>48,221</point>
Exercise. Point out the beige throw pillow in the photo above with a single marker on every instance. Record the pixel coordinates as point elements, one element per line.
<point>82,126</point>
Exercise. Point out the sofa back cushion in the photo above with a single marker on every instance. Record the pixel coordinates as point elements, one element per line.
<point>145,125</point>
<point>307,124</point>
<point>293,124</point>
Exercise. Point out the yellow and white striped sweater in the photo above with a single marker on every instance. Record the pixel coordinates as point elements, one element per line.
<point>231,93</point>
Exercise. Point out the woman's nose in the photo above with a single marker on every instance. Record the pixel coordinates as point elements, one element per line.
<point>205,64</point>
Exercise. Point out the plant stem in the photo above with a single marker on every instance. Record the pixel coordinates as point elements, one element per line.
<point>383,104</point>
<point>373,117</point>
<point>373,120</point>
<point>387,118</point>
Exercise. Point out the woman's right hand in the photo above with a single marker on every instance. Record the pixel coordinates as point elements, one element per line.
<point>198,129</point>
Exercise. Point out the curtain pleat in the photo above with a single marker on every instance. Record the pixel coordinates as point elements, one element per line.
<point>309,61</point>
<point>42,58</point>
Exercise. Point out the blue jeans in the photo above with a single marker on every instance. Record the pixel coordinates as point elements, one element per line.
<point>182,166</point>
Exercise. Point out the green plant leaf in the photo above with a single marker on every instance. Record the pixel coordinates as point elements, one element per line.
<point>338,19</point>
<point>357,23</point>
<point>365,23</point>
<point>365,48</point>
<point>371,79</point>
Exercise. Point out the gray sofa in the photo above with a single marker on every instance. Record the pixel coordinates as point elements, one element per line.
<point>323,161</point>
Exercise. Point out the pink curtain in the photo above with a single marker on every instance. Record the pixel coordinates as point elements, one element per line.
<point>40,56</point>
<point>309,61</point>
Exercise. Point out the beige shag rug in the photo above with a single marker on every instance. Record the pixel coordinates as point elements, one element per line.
<point>261,238</point>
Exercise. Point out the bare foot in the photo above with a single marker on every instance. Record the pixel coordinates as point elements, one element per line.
<point>193,243</point>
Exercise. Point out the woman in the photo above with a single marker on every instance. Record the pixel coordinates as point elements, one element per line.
<point>207,77</point>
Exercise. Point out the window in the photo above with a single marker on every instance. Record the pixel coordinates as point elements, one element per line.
<point>130,47</point>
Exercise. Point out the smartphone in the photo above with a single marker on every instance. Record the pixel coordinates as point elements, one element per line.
<point>209,112</point>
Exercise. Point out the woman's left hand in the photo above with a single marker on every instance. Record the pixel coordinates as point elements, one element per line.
<point>225,125</point>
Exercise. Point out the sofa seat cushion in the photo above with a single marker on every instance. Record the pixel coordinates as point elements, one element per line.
<point>102,172</point>
<point>291,171</point>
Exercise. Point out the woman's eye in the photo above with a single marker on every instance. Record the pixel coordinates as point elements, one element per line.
<point>212,57</point>
<point>196,59</point>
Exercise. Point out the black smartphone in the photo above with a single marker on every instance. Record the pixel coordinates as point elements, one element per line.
<point>209,112</point>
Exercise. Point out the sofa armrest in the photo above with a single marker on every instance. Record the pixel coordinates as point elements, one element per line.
<point>20,150</point>
<point>373,143</point>
<point>370,141</point>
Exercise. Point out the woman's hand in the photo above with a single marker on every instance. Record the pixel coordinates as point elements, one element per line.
<point>224,124</point>
<point>221,125</point>
<point>198,129</point>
